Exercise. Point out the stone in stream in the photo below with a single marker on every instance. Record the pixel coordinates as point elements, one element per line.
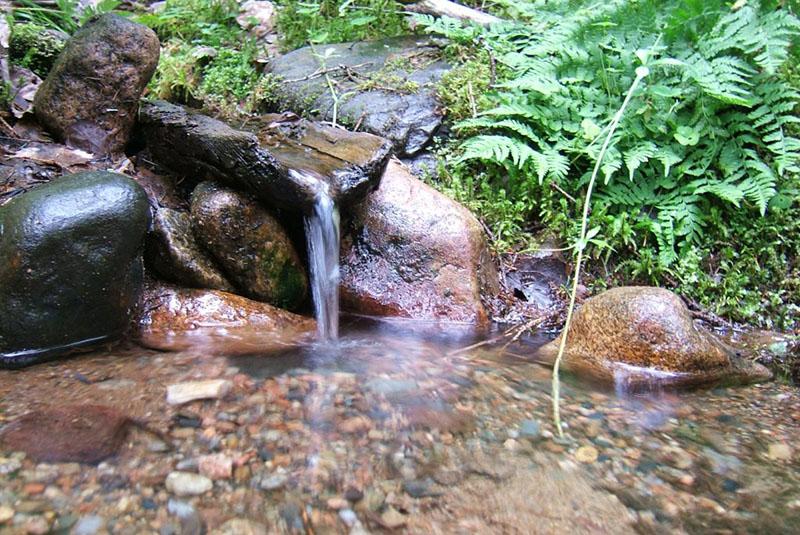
<point>385,87</point>
<point>68,433</point>
<point>175,319</point>
<point>90,98</point>
<point>187,484</point>
<point>72,268</point>
<point>201,147</point>
<point>250,245</point>
<point>174,254</point>
<point>639,336</point>
<point>408,251</point>
<point>181,393</point>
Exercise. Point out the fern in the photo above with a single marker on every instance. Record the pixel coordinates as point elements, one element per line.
<point>713,128</point>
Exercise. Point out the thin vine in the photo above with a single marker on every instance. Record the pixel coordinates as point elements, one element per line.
<point>641,73</point>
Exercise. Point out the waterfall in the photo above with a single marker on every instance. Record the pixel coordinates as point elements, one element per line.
<point>322,235</point>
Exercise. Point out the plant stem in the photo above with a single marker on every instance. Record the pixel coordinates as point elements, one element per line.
<point>641,72</point>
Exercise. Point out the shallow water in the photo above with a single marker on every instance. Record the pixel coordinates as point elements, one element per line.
<point>434,429</point>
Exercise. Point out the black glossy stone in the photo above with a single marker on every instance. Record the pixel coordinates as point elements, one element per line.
<point>70,265</point>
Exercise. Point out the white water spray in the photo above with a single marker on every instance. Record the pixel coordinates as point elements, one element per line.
<point>322,235</point>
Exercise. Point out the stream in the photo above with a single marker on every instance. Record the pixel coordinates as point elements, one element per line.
<point>402,425</point>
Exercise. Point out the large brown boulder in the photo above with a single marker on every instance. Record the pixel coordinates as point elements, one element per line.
<point>250,245</point>
<point>635,336</point>
<point>174,319</point>
<point>411,252</point>
<point>91,96</point>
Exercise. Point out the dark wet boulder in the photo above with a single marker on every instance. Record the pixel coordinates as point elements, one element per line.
<point>249,244</point>
<point>176,319</point>
<point>288,176</point>
<point>635,336</point>
<point>408,251</point>
<point>91,96</point>
<point>71,265</point>
<point>385,87</point>
<point>173,253</point>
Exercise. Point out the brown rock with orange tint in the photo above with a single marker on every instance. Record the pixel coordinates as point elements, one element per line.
<point>70,433</point>
<point>636,335</point>
<point>411,252</point>
<point>175,319</point>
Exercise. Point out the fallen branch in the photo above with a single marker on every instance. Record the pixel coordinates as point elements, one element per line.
<point>446,8</point>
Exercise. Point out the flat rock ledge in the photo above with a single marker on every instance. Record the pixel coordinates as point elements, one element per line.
<point>289,175</point>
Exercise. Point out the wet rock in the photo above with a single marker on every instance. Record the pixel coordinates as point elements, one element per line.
<point>530,429</point>
<point>273,482</point>
<point>88,525</point>
<point>535,278</point>
<point>70,433</point>
<point>178,318</point>
<point>72,267</point>
<point>181,393</point>
<point>187,484</point>
<point>6,513</point>
<point>241,526</point>
<point>250,245</point>
<point>216,466</point>
<point>411,252</point>
<point>388,86</point>
<point>779,451</point>
<point>635,336</point>
<point>174,254</point>
<point>90,98</point>
<point>199,146</point>
<point>586,454</point>
<point>350,162</point>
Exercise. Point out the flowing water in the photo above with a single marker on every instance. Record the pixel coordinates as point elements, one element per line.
<point>322,235</point>
<point>406,427</point>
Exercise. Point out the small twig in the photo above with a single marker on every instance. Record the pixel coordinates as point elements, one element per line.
<point>323,71</point>
<point>564,193</point>
<point>471,96</point>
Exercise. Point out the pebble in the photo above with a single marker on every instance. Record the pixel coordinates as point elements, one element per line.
<point>530,429</point>
<point>6,513</point>
<point>88,525</point>
<point>392,519</point>
<point>216,466</point>
<point>9,466</point>
<point>180,393</point>
<point>274,482</point>
<point>779,451</point>
<point>188,484</point>
<point>241,526</point>
<point>586,454</point>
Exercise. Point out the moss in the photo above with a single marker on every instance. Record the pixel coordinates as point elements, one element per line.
<point>462,90</point>
<point>177,76</point>
<point>35,47</point>
<point>229,75</point>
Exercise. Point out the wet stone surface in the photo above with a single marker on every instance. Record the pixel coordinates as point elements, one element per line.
<point>402,428</point>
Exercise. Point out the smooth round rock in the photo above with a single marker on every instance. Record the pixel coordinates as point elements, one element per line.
<point>71,267</point>
<point>90,98</point>
<point>250,245</point>
<point>636,336</point>
<point>188,484</point>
